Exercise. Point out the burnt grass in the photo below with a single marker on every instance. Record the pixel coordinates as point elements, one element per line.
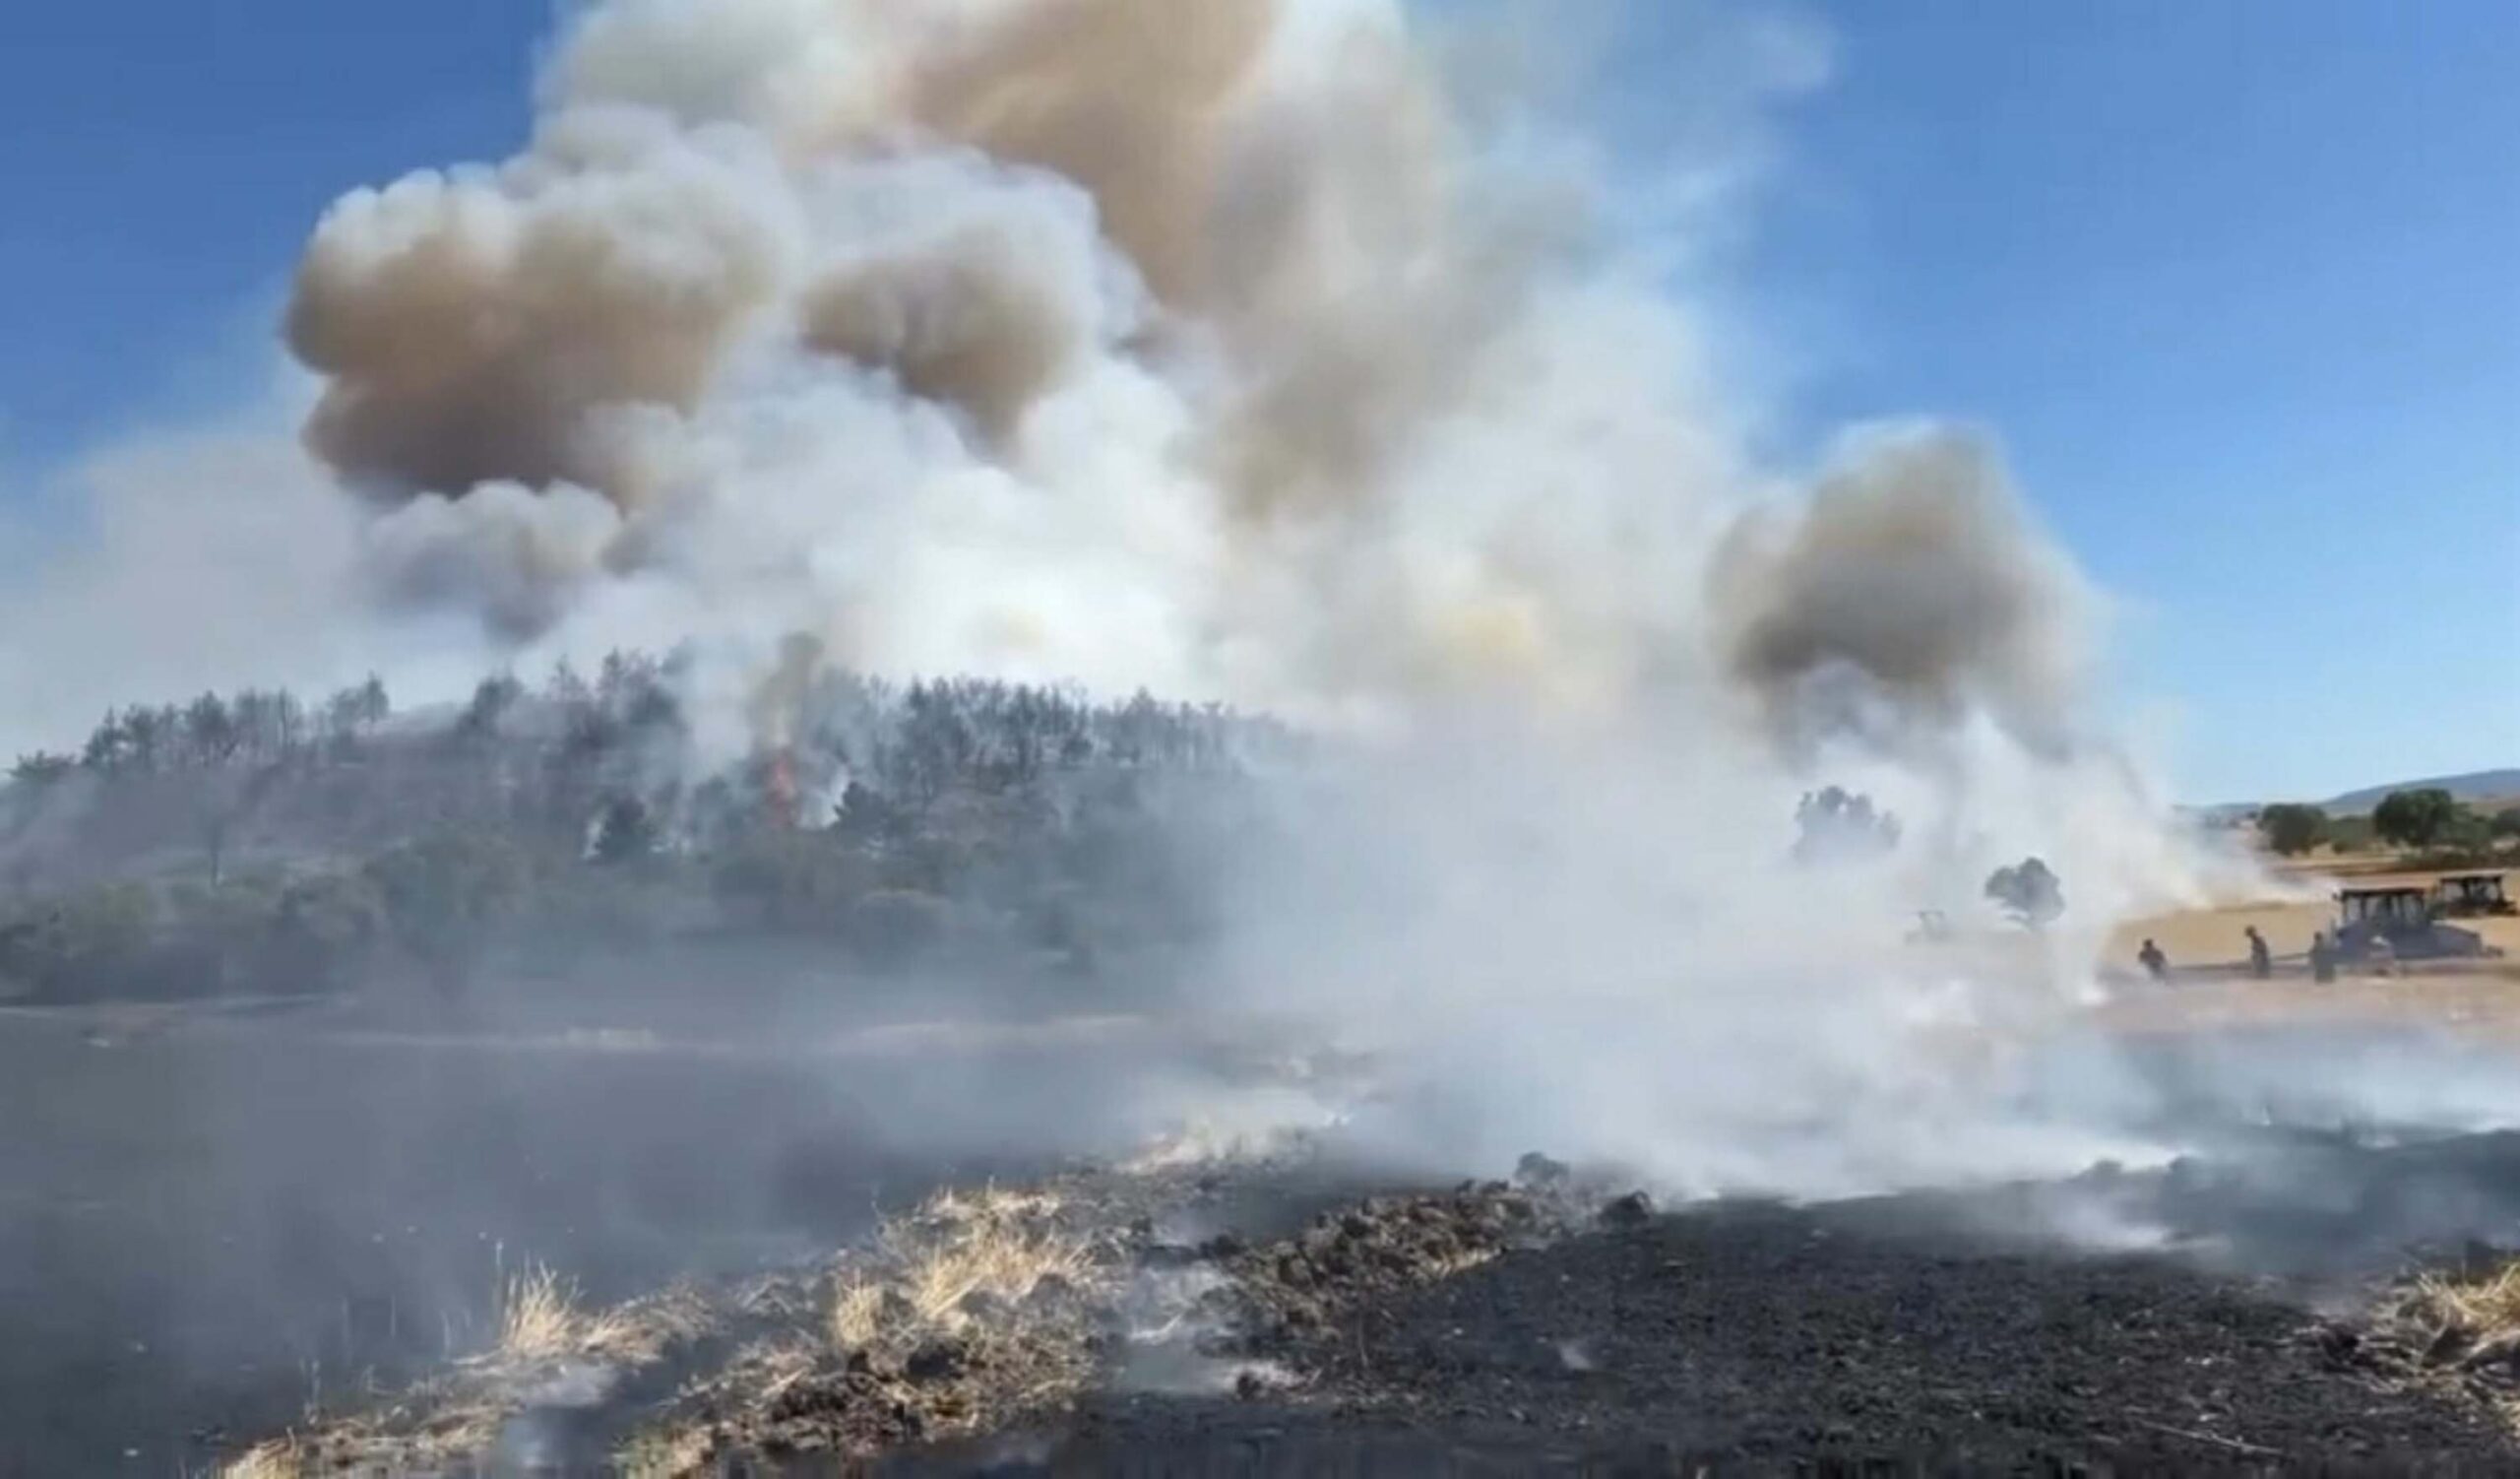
<point>1554,1325</point>
<point>1454,1333</point>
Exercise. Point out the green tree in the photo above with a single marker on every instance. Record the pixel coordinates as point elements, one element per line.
<point>2505,825</point>
<point>341,720</point>
<point>2030,891</point>
<point>491,699</point>
<point>892,925</point>
<point>792,881</point>
<point>145,736</point>
<point>323,925</point>
<point>210,731</point>
<point>374,706</point>
<point>2291,829</point>
<point>2414,819</point>
<point>1837,824</point>
<point>106,744</point>
<point>625,833</point>
<point>866,817</point>
<point>42,767</point>
<point>2467,833</point>
<point>82,945</point>
<point>443,895</point>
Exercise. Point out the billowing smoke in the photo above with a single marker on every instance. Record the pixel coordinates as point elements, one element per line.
<point>475,326</point>
<point>1210,346</point>
<point>1214,346</point>
<point>1910,580</point>
<point>826,300</point>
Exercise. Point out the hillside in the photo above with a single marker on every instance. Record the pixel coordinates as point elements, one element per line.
<point>257,844</point>
<point>2475,785</point>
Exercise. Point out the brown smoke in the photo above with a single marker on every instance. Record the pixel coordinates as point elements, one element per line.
<point>1128,98</point>
<point>962,323</point>
<point>1322,234</point>
<point>1322,231</point>
<point>1353,405</point>
<point>1912,578</point>
<point>470,324</point>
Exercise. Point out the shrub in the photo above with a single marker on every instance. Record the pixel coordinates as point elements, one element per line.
<point>2414,819</point>
<point>2291,829</point>
<point>2030,891</point>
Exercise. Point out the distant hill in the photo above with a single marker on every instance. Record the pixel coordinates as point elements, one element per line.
<point>2475,785</point>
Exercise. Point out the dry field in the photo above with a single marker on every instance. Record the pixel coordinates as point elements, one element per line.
<point>2208,950</point>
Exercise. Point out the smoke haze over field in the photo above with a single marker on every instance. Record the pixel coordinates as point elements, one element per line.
<point>1217,346</point>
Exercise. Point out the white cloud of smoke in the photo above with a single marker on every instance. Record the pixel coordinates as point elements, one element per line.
<point>1213,345</point>
<point>1178,319</point>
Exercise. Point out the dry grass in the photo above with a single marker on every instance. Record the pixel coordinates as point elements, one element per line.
<point>988,1248</point>
<point>960,1313</point>
<point>541,1319</point>
<point>2215,936</point>
<point>664,1455</point>
<point>1458,1263</point>
<point>2218,937</point>
<point>2460,1334</point>
<point>446,1424</point>
<point>636,1333</point>
<point>278,1460</point>
<point>941,1315</point>
<point>538,1315</point>
<point>857,1313</point>
<point>2471,1311</point>
<point>2476,1003</point>
<point>991,1203</point>
<point>432,1431</point>
<point>1005,1258</point>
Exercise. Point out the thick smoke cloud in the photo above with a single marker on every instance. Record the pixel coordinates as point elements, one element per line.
<point>957,328</point>
<point>1222,348</point>
<point>1911,578</point>
<point>473,325</point>
<point>1245,241</point>
<point>1213,345</point>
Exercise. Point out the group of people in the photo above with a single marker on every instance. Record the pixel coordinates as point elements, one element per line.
<point>2261,958</point>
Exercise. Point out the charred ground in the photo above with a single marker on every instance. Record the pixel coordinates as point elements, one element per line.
<point>1916,1332</point>
<point>1551,1323</point>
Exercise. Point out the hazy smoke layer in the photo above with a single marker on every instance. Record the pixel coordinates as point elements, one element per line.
<point>1219,347</point>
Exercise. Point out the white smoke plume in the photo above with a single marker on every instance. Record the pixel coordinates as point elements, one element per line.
<point>1195,344</point>
<point>1218,346</point>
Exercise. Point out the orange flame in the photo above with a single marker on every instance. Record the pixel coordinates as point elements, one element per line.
<point>781,788</point>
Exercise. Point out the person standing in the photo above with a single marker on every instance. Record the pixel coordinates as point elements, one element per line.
<point>2155,963</point>
<point>2322,958</point>
<point>2261,961</point>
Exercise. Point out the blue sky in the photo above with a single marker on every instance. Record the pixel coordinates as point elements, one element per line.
<point>2236,283</point>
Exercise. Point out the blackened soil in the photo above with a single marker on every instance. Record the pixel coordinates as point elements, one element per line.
<point>851,1410</point>
<point>1297,1300</point>
<point>1759,1337</point>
